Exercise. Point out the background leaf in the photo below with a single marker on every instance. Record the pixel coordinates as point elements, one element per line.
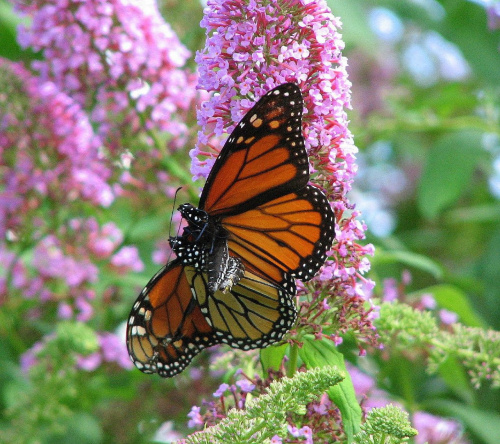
<point>271,357</point>
<point>455,300</point>
<point>447,173</point>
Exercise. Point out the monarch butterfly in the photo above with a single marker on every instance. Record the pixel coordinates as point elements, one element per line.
<point>258,226</point>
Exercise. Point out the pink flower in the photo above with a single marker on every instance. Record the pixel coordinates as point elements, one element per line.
<point>196,420</point>
<point>65,311</point>
<point>127,258</point>
<point>113,349</point>
<point>436,430</point>
<point>90,362</point>
<point>448,317</point>
<point>245,385</point>
<point>493,11</point>
<point>221,390</point>
<point>428,301</point>
<point>305,432</point>
<point>51,262</point>
<point>391,292</point>
<point>29,357</point>
<point>104,241</point>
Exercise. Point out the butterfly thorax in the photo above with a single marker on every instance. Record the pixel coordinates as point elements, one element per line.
<point>203,244</point>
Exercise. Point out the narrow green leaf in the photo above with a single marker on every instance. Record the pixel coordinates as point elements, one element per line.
<point>316,353</point>
<point>447,173</point>
<point>455,376</point>
<point>271,357</point>
<point>453,299</point>
<point>411,259</point>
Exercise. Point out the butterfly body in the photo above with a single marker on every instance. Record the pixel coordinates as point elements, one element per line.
<point>258,226</point>
<point>203,244</point>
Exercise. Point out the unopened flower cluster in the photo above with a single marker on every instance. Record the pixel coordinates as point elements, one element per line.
<point>321,420</point>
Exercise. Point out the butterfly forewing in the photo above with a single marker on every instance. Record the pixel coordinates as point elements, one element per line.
<point>263,158</point>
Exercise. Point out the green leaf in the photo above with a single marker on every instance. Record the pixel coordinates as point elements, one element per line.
<point>8,23</point>
<point>450,164</point>
<point>488,271</point>
<point>453,299</point>
<point>411,259</point>
<point>320,353</point>
<point>355,29</point>
<point>9,48</point>
<point>455,376</point>
<point>485,425</point>
<point>271,357</point>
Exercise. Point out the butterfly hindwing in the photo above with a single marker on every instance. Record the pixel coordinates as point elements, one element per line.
<point>263,158</point>
<point>289,234</point>
<point>254,313</point>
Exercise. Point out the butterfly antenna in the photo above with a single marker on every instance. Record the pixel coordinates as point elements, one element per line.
<point>172,214</point>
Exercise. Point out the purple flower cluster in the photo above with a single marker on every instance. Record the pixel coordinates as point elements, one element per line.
<point>397,291</point>
<point>112,349</point>
<point>64,265</point>
<point>112,77</point>
<point>303,432</point>
<point>254,47</point>
<point>118,59</point>
<point>57,156</point>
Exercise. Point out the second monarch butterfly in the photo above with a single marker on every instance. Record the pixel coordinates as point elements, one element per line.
<point>258,226</point>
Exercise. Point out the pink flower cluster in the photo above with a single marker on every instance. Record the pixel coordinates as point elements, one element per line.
<point>56,156</point>
<point>111,77</point>
<point>64,266</point>
<point>118,59</point>
<point>112,348</point>
<point>253,47</point>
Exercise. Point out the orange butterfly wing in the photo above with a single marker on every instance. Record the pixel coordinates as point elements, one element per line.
<point>258,188</point>
<point>262,159</point>
<point>166,328</point>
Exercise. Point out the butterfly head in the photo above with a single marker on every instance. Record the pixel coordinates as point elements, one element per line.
<point>194,216</point>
